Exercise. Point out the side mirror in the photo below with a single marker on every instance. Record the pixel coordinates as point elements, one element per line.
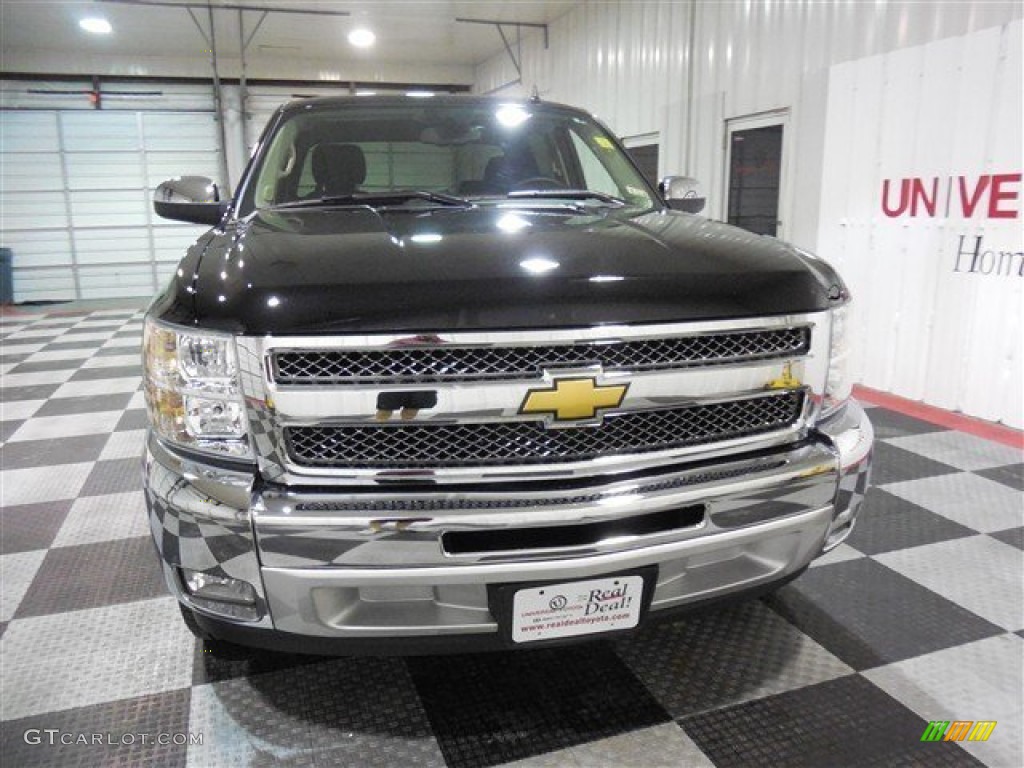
<point>194,199</point>
<point>682,193</point>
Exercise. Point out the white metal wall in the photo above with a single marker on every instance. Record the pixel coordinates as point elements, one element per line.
<point>635,64</point>
<point>939,292</point>
<point>76,187</point>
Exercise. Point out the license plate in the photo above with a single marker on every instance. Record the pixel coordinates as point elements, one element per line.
<point>577,608</point>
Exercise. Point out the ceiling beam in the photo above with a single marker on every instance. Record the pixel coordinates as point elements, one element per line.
<point>230,7</point>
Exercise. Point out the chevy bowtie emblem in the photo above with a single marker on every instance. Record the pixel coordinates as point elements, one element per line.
<point>573,399</point>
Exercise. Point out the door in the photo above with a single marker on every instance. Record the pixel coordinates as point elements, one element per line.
<point>76,188</point>
<point>754,172</point>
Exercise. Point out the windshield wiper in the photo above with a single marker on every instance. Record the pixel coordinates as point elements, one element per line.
<point>373,199</point>
<point>567,194</point>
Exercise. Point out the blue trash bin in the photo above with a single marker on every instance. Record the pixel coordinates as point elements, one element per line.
<point>6,276</point>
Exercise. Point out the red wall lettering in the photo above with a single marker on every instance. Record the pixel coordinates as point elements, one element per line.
<point>999,194</point>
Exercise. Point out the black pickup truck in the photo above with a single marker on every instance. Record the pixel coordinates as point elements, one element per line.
<point>448,373</point>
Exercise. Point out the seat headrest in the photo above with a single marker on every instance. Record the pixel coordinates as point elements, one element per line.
<point>338,168</point>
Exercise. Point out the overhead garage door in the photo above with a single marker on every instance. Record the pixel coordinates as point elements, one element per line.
<point>75,197</point>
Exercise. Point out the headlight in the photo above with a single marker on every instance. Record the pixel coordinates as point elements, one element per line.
<point>192,390</point>
<point>838,385</point>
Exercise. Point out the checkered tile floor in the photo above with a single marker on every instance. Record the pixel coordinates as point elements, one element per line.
<point>920,616</point>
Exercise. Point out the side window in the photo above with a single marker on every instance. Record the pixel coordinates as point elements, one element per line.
<point>307,184</point>
<point>279,164</point>
<point>595,175</point>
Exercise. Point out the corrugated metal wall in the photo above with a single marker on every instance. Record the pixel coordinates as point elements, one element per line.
<point>636,64</point>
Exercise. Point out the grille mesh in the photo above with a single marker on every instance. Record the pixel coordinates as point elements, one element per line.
<point>447,445</point>
<point>432,364</point>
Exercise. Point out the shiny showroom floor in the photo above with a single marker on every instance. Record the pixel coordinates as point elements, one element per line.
<point>919,617</point>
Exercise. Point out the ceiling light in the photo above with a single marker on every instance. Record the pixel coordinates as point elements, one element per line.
<point>420,94</point>
<point>362,38</point>
<point>427,237</point>
<point>366,93</point>
<point>96,25</point>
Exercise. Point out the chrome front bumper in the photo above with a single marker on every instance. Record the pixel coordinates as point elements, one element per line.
<point>368,564</point>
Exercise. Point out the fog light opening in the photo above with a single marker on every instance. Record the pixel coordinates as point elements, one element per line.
<point>219,589</point>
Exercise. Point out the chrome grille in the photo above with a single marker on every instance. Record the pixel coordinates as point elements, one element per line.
<point>445,504</point>
<point>440,363</point>
<point>411,446</point>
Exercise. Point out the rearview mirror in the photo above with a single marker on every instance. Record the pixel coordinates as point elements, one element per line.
<point>194,199</point>
<point>682,193</point>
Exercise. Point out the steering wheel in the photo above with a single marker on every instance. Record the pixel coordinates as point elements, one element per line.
<point>537,182</point>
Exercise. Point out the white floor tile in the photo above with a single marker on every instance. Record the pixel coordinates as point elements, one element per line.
<point>39,377</point>
<point>976,681</point>
<point>39,484</point>
<point>16,573</point>
<point>124,445</point>
<point>959,449</point>
<point>983,575</point>
<point>50,427</point>
<point>93,656</point>
<point>976,502</point>
<point>19,409</point>
<point>104,518</point>
<point>113,361</point>
<point>98,387</point>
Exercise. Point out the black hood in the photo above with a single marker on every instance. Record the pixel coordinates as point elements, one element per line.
<point>327,270</point>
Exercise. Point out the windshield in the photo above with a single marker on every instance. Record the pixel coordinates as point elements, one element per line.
<point>489,152</point>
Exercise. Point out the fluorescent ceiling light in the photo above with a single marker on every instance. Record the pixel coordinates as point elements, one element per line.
<point>366,93</point>
<point>96,25</point>
<point>420,94</point>
<point>427,237</point>
<point>362,38</point>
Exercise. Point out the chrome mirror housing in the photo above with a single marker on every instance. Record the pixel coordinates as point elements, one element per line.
<point>682,193</point>
<point>195,199</point>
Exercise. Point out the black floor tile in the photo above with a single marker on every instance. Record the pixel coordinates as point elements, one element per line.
<point>842,722</point>
<point>46,365</point>
<point>888,522</point>
<point>124,721</point>
<point>95,374</point>
<point>132,419</point>
<point>216,665</point>
<point>116,351</point>
<point>92,404</point>
<point>28,527</point>
<point>93,575</point>
<point>892,424</point>
<point>9,427</point>
<point>44,453</point>
<point>1011,475</point>
<point>114,476</point>
<point>93,328</point>
<point>894,465</point>
<point>488,709</point>
<point>868,615</point>
<point>33,392</point>
<point>64,343</point>
<point>1014,537</point>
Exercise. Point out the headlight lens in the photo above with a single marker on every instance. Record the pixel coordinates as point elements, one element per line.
<point>839,384</point>
<point>192,390</point>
